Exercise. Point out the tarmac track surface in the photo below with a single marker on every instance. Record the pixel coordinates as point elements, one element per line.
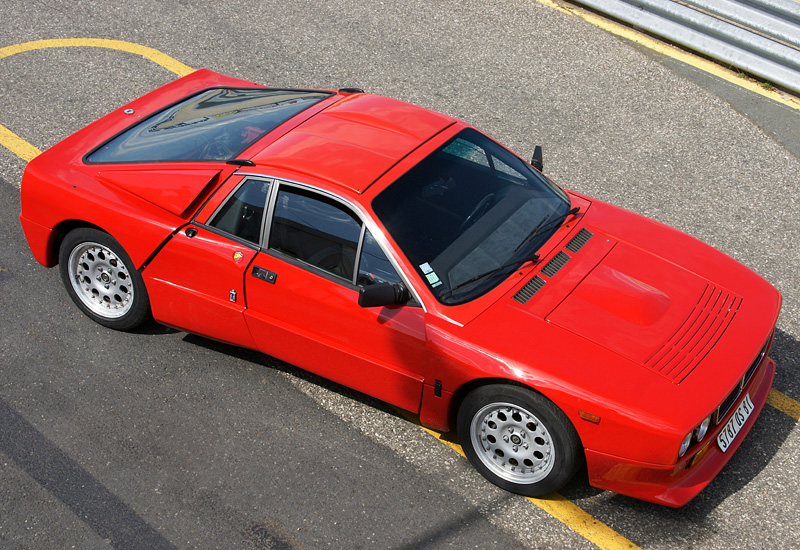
<point>158,439</point>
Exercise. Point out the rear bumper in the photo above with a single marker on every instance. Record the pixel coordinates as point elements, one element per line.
<point>40,241</point>
<point>675,485</point>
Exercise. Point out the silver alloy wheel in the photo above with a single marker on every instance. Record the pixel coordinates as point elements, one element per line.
<point>512,443</point>
<point>101,280</point>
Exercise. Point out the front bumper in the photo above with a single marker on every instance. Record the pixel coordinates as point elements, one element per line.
<point>675,485</point>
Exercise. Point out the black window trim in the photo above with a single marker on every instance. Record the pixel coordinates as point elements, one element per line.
<point>263,245</point>
<point>210,228</point>
<point>358,213</point>
<point>245,179</point>
<point>229,236</point>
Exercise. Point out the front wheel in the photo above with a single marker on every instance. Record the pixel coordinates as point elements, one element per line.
<point>100,278</point>
<point>518,439</point>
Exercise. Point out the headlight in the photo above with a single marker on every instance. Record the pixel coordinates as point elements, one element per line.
<point>685,445</point>
<point>695,435</point>
<point>702,429</point>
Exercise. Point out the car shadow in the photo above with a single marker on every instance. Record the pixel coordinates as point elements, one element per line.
<point>762,443</point>
<point>152,328</point>
<point>265,360</point>
<point>765,439</point>
<point>786,353</point>
<point>73,485</point>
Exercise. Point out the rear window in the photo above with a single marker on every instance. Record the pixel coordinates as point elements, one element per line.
<point>214,125</point>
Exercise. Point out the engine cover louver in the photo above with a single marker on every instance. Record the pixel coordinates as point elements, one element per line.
<point>531,287</point>
<point>554,265</point>
<point>579,240</point>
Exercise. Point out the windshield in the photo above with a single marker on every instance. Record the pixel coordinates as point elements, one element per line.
<point>469,214</point>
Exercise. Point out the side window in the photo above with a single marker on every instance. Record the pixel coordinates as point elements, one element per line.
<point>504,168</point>
<point>316,230</point>
<point>468,151</point>
<point>243,213</point>
<point>374,266</point>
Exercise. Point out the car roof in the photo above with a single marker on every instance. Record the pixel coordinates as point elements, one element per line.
<point>355,141</point>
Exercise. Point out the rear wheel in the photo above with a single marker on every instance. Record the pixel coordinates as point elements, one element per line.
<point>100,278</point>
<point>518,439</point>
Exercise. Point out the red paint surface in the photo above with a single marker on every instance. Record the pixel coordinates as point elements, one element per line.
<point>645,327</point>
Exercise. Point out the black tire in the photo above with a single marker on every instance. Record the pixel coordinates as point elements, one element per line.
<point>518,439</point>
<point>100,278</point>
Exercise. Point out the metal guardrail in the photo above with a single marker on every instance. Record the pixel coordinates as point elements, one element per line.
<point>761,37</point>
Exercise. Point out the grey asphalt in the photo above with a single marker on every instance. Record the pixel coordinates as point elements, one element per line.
<point>779,121</point>
<point>157,439</point>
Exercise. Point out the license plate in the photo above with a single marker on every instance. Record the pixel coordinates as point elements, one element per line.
<point>734,425</point>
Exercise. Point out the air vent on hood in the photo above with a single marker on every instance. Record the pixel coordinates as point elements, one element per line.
<point>697,335</point>
<point>554,265</point>
<point>531,287</point>
<point>579,240</point>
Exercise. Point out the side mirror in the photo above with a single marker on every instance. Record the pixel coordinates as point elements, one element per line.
<point>383,294</point>
<point>536,161</point>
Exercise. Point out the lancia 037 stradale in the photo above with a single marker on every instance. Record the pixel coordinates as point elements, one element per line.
<point>405,254</point>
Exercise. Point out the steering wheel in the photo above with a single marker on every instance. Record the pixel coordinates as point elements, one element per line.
<point>479,210</point>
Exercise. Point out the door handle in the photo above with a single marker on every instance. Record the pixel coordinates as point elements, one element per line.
<point>264,274</point>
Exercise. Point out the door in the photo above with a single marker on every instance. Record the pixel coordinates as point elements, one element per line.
<point>302,297</point>
<point>196,282</point>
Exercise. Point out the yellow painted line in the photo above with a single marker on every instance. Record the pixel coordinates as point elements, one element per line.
<point>775,398</point>
<point>17,145</point>
<point>585,524</point>
<point>784,403</point>
<point>565,511</point>
<point>25,150</point>
<point>672,51</point>
<point>556,505</point>
<point>578,519</point>
<point>152,54</point>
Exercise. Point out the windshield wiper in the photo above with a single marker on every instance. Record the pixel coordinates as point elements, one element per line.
<point>519,261</point>
<point>490,273</point>
<point>538,229</point>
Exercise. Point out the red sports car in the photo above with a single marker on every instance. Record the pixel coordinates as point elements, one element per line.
<point>404,254</point>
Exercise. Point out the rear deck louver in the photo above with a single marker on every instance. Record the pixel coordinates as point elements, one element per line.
<point>531,287</point>
<point>554,265</point>
<point>579,240</point>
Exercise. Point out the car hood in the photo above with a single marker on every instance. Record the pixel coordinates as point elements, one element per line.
<point>647,309</point>
<point>625,319</point>
<point>620,285</point>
